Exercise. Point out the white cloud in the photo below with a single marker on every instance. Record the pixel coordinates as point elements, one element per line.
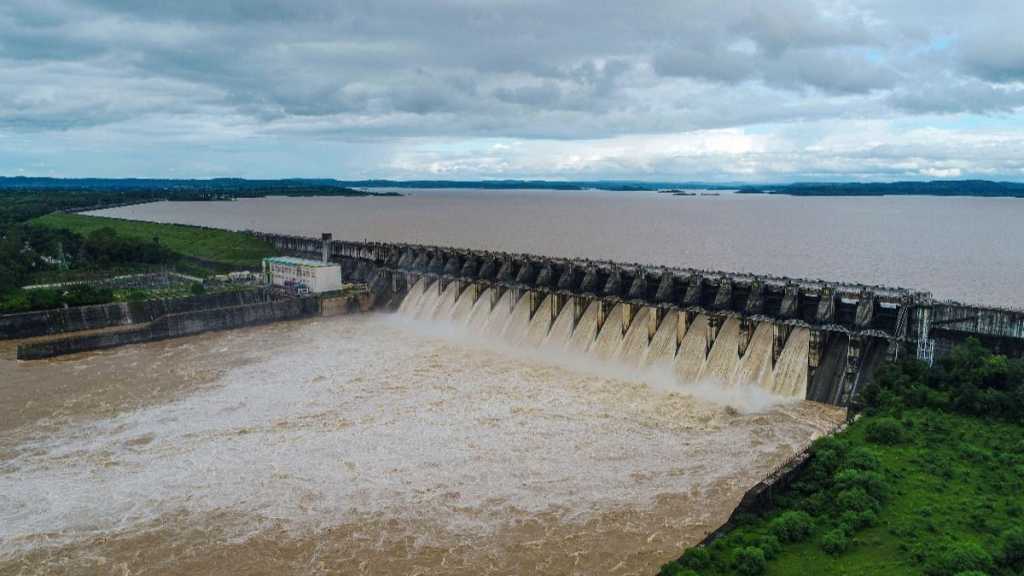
<point>794,89</point>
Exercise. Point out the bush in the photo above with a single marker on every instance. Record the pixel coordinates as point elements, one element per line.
<point>791,526</point>
<point>1011,548</point>
<point>696,558</point>
<point>856,500</point>
<point>870,482</point>
<point>750,561</point>
<point>960,557</point>
<point>198,288</point>
<point>136,296</point>
<point>770,545</point>
<point>835,541</point>
<point>884,430</point>
<point>854,521</point>
<point>860,458</point>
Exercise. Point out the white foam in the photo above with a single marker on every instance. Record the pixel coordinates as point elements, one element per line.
<point>363,415</point>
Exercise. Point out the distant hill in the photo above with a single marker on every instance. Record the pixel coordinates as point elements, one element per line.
<point>507,184</point>
<point>979,188</point>
<point>984,188</point>
<point>226,188</point>
<point>22,199</point>
<point>219,188</point>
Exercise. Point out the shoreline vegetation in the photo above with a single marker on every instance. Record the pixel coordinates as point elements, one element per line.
<point>74,257</point>
<point>97,249</point>
<point>971,188</point>
<point>928,481</point>
<point>43,241</point>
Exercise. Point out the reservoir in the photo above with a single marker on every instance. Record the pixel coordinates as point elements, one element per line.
<point>966,249</point>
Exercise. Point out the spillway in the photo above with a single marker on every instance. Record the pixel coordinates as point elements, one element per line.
<point>696,348</point>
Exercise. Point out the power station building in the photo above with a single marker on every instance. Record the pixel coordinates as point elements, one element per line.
<point>301,274</point>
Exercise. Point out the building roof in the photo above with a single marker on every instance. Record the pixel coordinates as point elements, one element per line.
<point>292,261</point>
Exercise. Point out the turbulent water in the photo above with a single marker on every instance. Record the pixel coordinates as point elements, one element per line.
<point>632,346</point>
<point>448,438</point>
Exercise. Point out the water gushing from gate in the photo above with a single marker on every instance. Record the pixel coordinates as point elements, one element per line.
<point>722,356</point>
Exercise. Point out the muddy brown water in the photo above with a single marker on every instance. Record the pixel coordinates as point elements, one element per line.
<point>375,444</point>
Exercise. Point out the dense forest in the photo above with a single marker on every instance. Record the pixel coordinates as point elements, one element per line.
<point>929,481</point>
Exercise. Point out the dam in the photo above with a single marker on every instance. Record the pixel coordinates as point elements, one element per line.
<point>801,338</point>
<point>516,414</point>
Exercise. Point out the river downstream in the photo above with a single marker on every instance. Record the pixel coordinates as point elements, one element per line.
<point>373,444</point>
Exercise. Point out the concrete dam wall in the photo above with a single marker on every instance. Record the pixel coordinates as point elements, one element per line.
<point>723,323</point>
<point>177,325</point>
<point>76,319</point>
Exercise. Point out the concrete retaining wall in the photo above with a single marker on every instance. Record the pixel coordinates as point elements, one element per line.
<point>48,322</point>
<point>761,496</point>
<point>338,305</point>
<point>177,325</point>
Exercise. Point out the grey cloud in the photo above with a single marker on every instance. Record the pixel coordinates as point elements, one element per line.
<point>535,69</point>
<point>553,61</point>
<point>996,58</point>
<point>970,95</point>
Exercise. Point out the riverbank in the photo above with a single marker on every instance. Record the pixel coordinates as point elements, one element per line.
<point>925,483</point>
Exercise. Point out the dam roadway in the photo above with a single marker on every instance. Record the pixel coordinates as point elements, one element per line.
<point>849,328</point>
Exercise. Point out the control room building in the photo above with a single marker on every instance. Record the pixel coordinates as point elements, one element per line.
<point>315,275</point>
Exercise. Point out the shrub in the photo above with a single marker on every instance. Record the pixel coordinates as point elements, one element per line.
<point>855,500</point>
<point>870,482</point>
<point>960,557</point>
<point>791,526</point>
<point>697,558</point>
<point>198,288</point>
<point>835,541</point>
<point>854,521</point>
<point>860,458</point>
<point>971,573</point>
<point>136,296</point>
<point>750,561</point>
<point>884,430</point>
<point>770,545</point>
<point>1011,548</point>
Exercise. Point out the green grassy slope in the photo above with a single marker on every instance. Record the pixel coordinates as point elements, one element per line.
<point>222,246</point>
<point>956,479</point>
<point>930,481</point>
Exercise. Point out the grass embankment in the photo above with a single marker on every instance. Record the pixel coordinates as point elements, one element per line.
<point>923,484</point>
<point>231,249</point>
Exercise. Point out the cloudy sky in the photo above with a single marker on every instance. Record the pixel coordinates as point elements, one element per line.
<point>716,90</point>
